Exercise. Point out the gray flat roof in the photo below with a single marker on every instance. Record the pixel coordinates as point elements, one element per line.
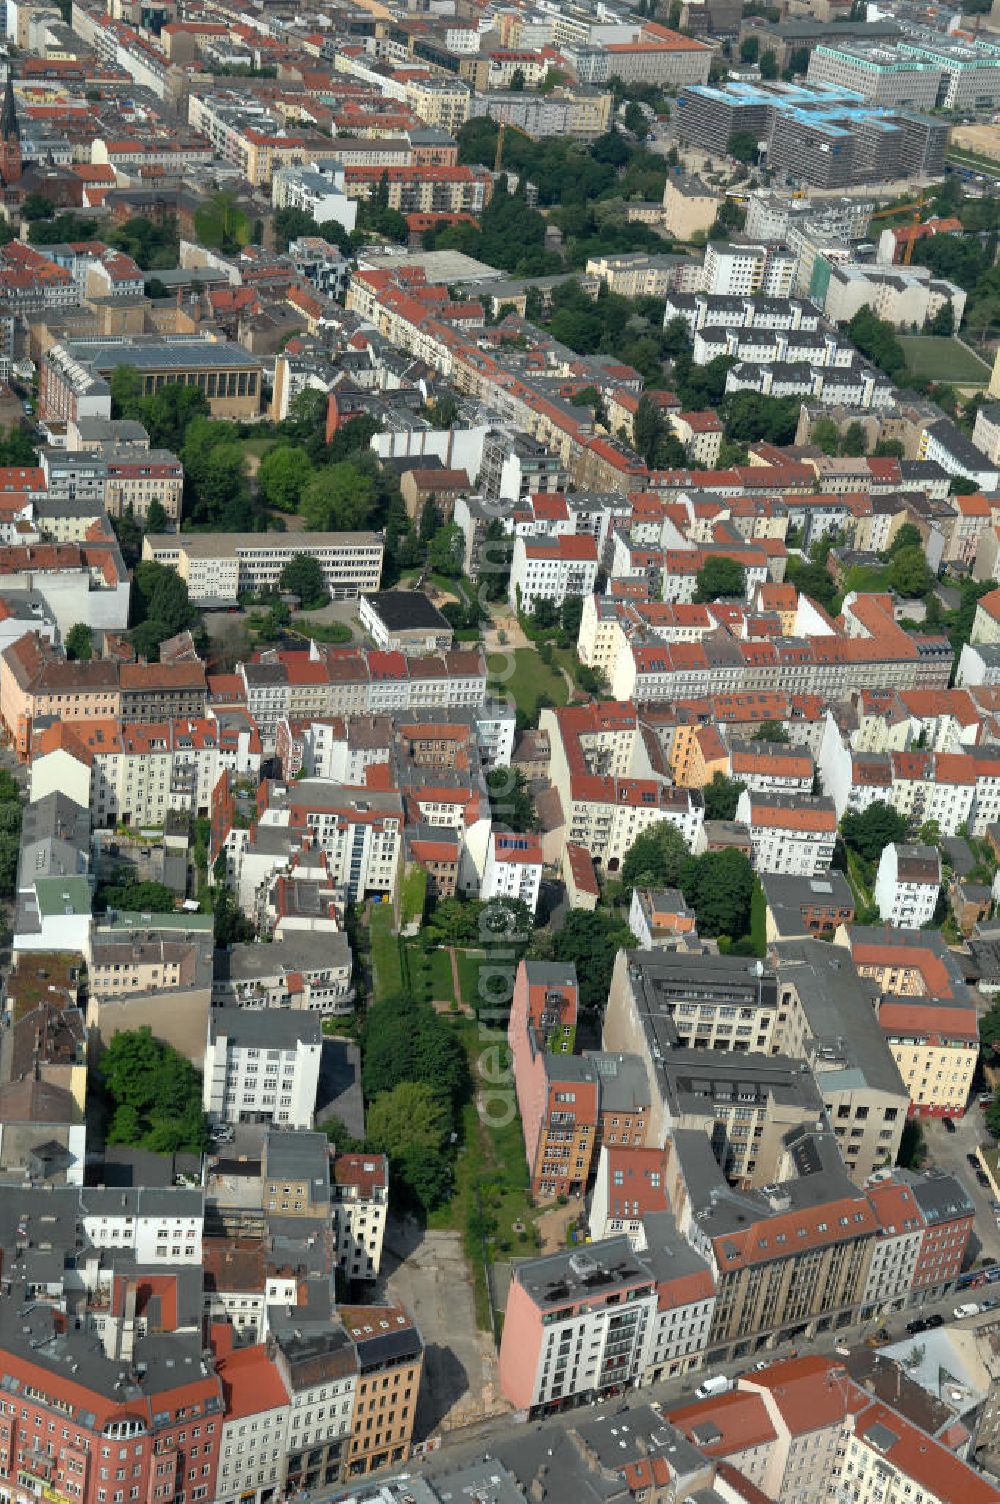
<point>269,1028</point>
<point>220,545</point>
<point>565,1277</point>
<point>162,354</point>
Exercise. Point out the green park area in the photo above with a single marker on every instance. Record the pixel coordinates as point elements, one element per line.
<point>533,683</point>
<point>937,357</point>
<point>478,1187</point>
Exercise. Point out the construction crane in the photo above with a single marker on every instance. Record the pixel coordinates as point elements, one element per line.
<point>506,126</point>
<point>917,208</point>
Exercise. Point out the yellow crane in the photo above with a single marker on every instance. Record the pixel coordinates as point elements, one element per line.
<point>917,208</point>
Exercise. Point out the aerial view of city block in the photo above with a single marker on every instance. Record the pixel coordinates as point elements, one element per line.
<point>499,752</point>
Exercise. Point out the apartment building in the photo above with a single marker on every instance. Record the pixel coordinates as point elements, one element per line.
<point>886,1452</point>
<point>360,836</point>
<point>871,653</point>
<point>926,1012</point>
<point>944,443</point>
<point>789,835</point>
<point>743,270</point>
<point>689,206</point>
<point>629,1185</point>
<point>38,684</point>
<point>317,1363</point>
<point>552,570</point>
<point>424,189</point>
<point>908,885</point>
<point>318,190</point>
<point>262,1066</point>
<point>254,1426</point>
<point>123,966</point>
<point>771,768</point>
<point>219,567</point>
<point>903,297</point>
<point>897,1249</point>
<point>390,1357</point>
<point>561,1097</point>
<point>134,482</point>
<point>306,970</point>
<point>360,1196</point>
<point>828,1019</point>
<point>71,582</point>
<point>162,691</point>
<point>936,1045</point>
<point>148,1423</point>
<point>583,113</point>
<point>608,790</point>
<point>948,1216</point>
<point>513,868</point>
<point>135,774</point>
<point>546,1001</point>
<point>576,1326</point>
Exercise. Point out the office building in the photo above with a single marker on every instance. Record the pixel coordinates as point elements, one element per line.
<point>219,567</point>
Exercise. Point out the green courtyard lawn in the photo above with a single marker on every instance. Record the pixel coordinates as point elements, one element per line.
<point>442,984</point>
<point>940,358</point>
<point>469,962</point>
<point>491,1173</point>
<point>429,977</point>
<point>532,684</point>
<point>387,964</point>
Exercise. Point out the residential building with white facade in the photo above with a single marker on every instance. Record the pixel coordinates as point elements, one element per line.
<point>360,1194</point>
<point>552,569</point>
<point>895,1253</point>
<point>317,188</point>
<point>908,885</point>
<point>317,1362</point>
<point>513,868</point>
<point>254,1428</point>
<point>739,270</point>
<point>262,1066</point>
<point>155,1225</point>
<point>789,834</point>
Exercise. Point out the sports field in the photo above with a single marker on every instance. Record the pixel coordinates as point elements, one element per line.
<point>939,358</point>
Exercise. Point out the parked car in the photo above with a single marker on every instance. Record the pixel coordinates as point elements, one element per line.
<point>949,1126</point>
<point>969,1309</point>
<point>973,1160</point>
<point>933,1322</point>
<point>983,1178</point>
<point>913,1327</point>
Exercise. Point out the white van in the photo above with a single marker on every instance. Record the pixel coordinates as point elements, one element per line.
<point>966,1310</point>
<point>717,1384</point>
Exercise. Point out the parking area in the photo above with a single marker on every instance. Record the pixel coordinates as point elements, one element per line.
<point>950,1151</point>
<point>428,1273</point>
